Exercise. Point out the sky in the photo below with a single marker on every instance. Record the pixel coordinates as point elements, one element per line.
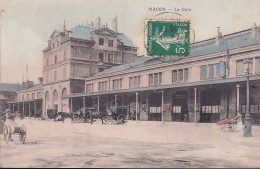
<point>26,25</point>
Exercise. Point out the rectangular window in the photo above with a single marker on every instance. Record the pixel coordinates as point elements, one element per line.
<point>101,41</point>
<point>110,43</point>
<point>203,72</point>
<point>55,60</point>
<point>64,56</point>
<point>33,95</point>
<point>150,79</point>
<point>134,82</point>
<point>22,97</point>
<point>131,83</point>
<point>180,75</point>
<point>217,70</point>
<point>101,56</point>
<point>102,86</point>
<point>240,68</point>
<point>211,71</point>
<point>174,76</point>
<point>186,74</point>
<point>160,78</point>
<point>110,58</point>
<point>155,78</point>
<point>28,96</point>
<point>47,61</point>
<point>257,65</point>
<point>39,95</point>
<point>117,84</point>
<point>89,88</point>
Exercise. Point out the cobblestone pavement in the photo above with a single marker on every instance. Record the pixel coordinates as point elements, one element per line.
<point>134,144</point>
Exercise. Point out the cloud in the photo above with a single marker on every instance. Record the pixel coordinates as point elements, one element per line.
<point>20,46</point>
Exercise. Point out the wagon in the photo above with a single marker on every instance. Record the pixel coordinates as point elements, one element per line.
<point>13,127</point>
<point>116,115</point>
<point>228,123</point>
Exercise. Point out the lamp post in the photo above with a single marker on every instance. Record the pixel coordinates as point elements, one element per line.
<point>247,120</point>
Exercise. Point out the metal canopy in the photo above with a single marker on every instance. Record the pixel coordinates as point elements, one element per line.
<point>200,83</point>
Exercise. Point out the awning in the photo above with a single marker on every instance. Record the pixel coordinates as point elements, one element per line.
<point>23,101</point>
<point>178,85</point>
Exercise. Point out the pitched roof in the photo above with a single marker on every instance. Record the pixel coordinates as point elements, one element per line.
<point>13,87</point>
<point>232,41</point>
<point>36,86</point>
<point>84,32</point>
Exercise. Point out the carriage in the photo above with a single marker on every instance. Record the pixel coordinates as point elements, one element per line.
<point>87,115</point>
<point>116,115</point>
<point>13,126</point>
<point>228,123</point>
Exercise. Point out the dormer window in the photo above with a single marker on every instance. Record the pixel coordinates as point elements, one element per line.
<point>101,41</point>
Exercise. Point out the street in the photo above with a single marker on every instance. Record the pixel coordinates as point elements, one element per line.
<point>134,144</point>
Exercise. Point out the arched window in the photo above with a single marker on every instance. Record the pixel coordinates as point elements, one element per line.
<point>55,95</point>
<point>47,97</point>
<point>64,92</point>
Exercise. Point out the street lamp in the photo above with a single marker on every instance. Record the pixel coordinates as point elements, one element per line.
<point>247,120</point>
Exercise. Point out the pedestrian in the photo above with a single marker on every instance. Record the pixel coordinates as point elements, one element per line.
<point>186,115</point>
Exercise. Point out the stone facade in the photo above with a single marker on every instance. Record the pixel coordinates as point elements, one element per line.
<point>213,68</point>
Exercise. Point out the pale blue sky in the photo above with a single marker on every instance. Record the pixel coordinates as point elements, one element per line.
<point>26,25</point>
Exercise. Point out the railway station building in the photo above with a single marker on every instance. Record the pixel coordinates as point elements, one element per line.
<point>98,67</point>
<point>209,83</point>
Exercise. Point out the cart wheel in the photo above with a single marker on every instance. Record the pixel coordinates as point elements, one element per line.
<point>121,118</point>
<point>231,128</point>
<point>6,134</point>
<point>23,128</point>
<point>107,120</point>
<point>22,137</point>
<point>75,120</point>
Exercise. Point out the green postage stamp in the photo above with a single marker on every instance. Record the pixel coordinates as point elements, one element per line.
<point>168,38</point>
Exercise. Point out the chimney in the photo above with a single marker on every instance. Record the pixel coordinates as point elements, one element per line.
<point>106,24</point>
<point>64,26</point>
<point>40,79</point>
<point>98,23</point>
<point>254,31</point>
<point>26,72</point>
<point>219,37</point>
<point>115,24</point>
<point>92,24</point>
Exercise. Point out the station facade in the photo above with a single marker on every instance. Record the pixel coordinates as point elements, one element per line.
<point>70,57</point>
<point>209,84</point>
<point>99,67</point>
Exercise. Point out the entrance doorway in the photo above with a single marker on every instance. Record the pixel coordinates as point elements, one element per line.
<point>179,105</point>
<point>155,106</point>
<point>210,103</point>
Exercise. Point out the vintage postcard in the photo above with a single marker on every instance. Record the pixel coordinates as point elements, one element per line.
<point>130,84</point>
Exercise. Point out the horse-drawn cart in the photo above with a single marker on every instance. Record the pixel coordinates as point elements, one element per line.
<point>116,115</point>
<point>14,127</point>
<point>228,123</point>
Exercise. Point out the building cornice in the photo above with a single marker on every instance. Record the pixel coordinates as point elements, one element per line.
<point>183,60</point>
